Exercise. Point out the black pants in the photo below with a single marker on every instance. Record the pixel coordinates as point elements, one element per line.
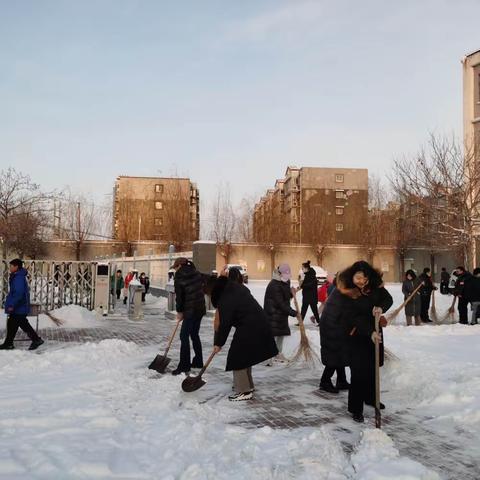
<point>444,288</point>
<point>362,381</point>
<point>190,330</point>
<point>328,373</point>
<point>463,310</point>
<point>144,294</point>
<point>14,322</point>
<point>313,304</point>
<point>118,292</point>
<point>424,307</point>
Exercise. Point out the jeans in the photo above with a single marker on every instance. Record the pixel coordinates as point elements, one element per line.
<point>475,311</point>
<point>190,330</point>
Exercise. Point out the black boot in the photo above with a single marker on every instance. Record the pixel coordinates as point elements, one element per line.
<point>179,370</point>
<point>328,387</point>
<point>6,346</point>
<point>35,344</point>
<point>358,417</point>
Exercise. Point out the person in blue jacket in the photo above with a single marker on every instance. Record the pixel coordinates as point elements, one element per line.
<point>17,307</point>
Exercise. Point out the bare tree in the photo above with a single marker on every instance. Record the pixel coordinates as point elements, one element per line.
<point>244,230</point>
<point>441,188</point>
<point>23,206</point>
<point>80,219</point>
<point>223,220</point>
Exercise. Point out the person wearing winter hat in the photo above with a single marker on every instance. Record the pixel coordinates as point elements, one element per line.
<point>277,305</point>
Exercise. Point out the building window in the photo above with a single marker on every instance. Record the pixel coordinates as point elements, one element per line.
<point>339,210</point>
<point>158,205</point>
<point>339,194</point>
<point>339,227</point>
<point>158,222</point>
<point>158,188</point>
<point>339,178</point>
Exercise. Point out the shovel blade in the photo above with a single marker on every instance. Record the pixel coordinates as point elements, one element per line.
<point>160,363</point>
<point>190,384</point>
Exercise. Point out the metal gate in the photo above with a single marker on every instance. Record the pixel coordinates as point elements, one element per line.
<point>56,284</point>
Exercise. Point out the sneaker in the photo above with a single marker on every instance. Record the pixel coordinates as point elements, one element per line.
<point>178,371</point>
<point>358,417</point>
<point>240,397</point>
<point>35,344</point>
<point>6,346</point>
<point>342,386</point>
<point>328,387</point>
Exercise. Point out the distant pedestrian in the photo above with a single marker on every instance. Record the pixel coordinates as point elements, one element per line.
<point>190,305</point>
<point>130,276</point>
<point>444,281</point>
<point>463,276</point>
<point>278,296</point>
<point>17,307</point>
<point>426,294</point>
<point>145,281</point>
<point>117,284</point>
<point>252,342</point>
<point>309,286</point>
<point>472,295</point>
<point>413,307</point>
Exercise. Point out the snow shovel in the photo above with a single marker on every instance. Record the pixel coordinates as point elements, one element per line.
<point>160,362</point>
<point>190,384</point>
<point>378,415</point>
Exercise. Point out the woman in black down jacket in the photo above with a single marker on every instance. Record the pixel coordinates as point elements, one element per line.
<point>334,341</point>
<point>362,287</point>
<point>277,305</point>
<point>252,341</point>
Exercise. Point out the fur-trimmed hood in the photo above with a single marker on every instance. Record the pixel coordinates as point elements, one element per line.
<point>354,292</point>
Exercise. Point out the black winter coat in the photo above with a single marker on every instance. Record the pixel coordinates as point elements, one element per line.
<point>412,308</point>
<point>252,341</point>
<point>309,286</point>
<point>428,286</point>
<point>277,307</point>
<point>362,324</point>
<point>471,290</point>
<point>460,283</point>
<point>334,338</point>
<point>189,296</point>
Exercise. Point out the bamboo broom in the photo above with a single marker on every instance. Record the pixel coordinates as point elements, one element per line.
<point>433,310</point>
<point>394,314</point>
<point>304,352</point>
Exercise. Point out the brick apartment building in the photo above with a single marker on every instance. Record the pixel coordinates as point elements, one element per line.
<point>156,208</point>
<point>471,102</point>
<point>314,205</point>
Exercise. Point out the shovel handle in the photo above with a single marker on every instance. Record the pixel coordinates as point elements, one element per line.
<point>172,336</point>
<point>207,363</point>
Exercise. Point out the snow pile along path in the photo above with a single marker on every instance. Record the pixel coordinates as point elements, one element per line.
<point>95,411</point>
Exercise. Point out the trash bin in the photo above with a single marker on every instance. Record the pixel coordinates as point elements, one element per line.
<point>135,290</point>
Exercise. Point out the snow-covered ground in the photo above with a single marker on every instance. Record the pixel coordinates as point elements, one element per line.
<point>95,411</point>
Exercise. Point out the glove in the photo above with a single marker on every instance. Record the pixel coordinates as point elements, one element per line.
<point>10,310</point>
<point>293,313</point>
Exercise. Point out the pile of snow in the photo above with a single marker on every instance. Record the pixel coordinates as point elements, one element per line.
<point>71,316</point>
<point>95,411</point>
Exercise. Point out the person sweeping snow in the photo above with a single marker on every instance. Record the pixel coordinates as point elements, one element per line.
<point>413,307</point>
<point>252,341</point>
<point>362,287</point>
<point>277,306</point>
<point>308,286</point>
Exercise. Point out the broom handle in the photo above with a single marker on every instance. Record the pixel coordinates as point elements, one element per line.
<point>207,363</point>
<point>378,415</point>
<point>410,297</point>
<point>433,299</point>
<point>299,315</point>
<point>172,336</point>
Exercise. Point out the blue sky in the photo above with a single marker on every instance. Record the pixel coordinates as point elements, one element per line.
<point>225,90</point>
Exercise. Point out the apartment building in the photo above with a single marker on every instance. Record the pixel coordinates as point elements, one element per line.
<point>156,208</point>
<point>471,102</point>
<point>314,205</point>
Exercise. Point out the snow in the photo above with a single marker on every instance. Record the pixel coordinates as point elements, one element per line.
<point>71,316</point>
<point>95,411</point>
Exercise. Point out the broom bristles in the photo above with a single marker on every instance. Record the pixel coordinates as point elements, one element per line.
<point>54,319</point>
